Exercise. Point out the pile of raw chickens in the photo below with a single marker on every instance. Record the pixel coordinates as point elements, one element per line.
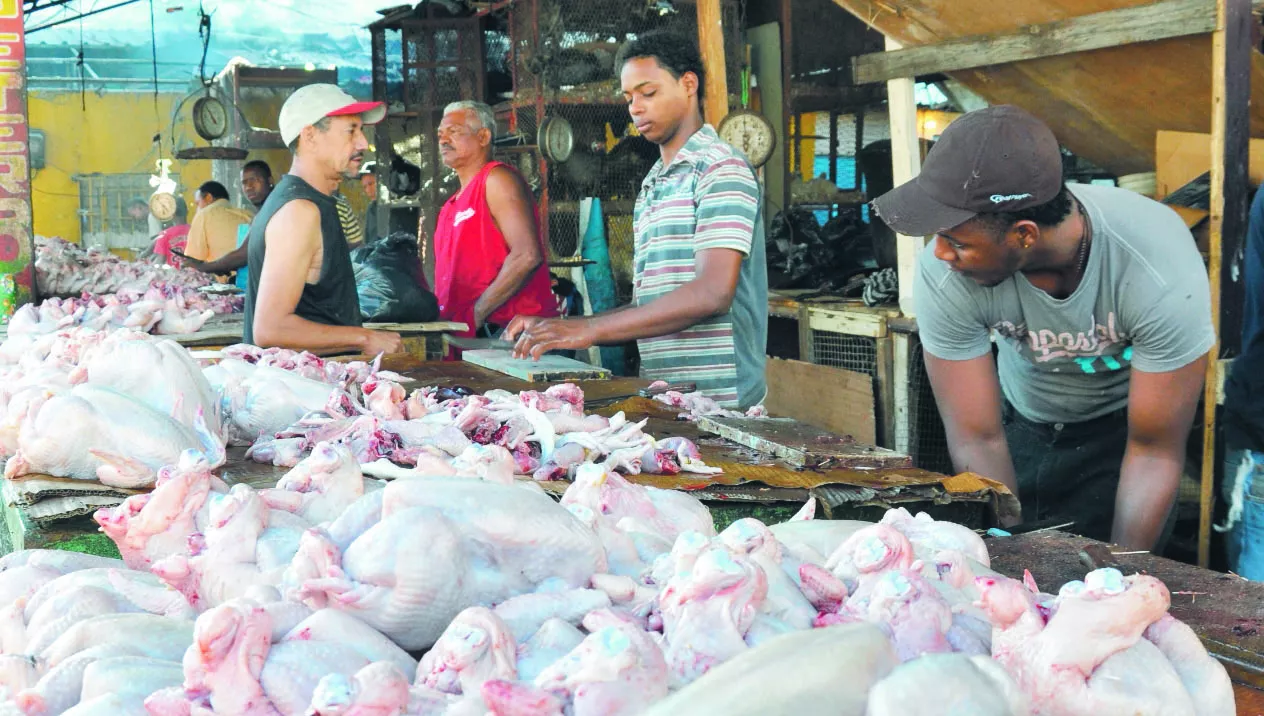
<point>335,595</point>
<point>457,589</point>
<point>66,269</point>
<point>113,293</point>
<point>283,403</point>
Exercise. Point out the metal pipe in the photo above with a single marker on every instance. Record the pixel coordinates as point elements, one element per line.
<point>80,16</point>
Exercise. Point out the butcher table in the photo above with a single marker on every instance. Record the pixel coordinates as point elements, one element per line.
<point>424,340</point>
<point>1226,611</point>
<point>752,484</point>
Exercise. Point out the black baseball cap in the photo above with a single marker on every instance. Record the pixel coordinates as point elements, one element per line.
<point>991,160</point>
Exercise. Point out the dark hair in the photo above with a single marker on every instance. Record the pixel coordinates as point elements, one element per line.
<point>182,209</point>
<point>213,189</point>
<point>673,51</point>
<point>322,124</point>
<point>1050,213</point>
<point>258,166</point>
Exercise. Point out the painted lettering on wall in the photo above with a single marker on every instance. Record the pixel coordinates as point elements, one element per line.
<point>15,178</point>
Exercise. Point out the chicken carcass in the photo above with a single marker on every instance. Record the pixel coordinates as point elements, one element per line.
<point>233,668</point>
<point>820,672</point>
<point>1090,655</point>
<point>708,605</point>
<point>93,433</point>
<point>156,525</point>
<point>618,670</point>
<point>420,551</point>
<point>974,685</point>
<point>159,373</point>
<point>244,551</point>
<point>379,689</point>
<point>475,648</point>
<point>666,513</point>
<point>320,486</point>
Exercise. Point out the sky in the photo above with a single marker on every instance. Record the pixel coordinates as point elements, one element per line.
<point>266,32</point>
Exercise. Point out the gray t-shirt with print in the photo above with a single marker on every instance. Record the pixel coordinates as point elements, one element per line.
<point>1144,303</point>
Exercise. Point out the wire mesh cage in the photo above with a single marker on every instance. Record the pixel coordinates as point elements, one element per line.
<point>924,429</point>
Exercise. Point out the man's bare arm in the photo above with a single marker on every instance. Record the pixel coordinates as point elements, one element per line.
<point>968,394</point>
<point>229,262</point>
<point>1161,410</point>
<point>510,203</point>
<point>293,240</point>
<point>710,293</point>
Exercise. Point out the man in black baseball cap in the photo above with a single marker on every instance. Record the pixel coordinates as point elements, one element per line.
<point>1100,308</point>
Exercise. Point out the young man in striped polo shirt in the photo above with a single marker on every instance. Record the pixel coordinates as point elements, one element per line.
<point>700,307</point>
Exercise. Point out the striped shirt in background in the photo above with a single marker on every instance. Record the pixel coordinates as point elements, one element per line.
<point>350,222</point>
<point>707,198</point>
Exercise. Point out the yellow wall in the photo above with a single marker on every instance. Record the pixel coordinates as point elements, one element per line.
<point>113,135</point>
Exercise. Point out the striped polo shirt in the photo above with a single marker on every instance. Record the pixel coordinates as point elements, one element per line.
<point>707,198</point>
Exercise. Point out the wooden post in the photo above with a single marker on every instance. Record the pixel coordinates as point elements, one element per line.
<point>906,159</point>
<point>1230,95</point>
<point>711,42</point>
<point>787,105</point>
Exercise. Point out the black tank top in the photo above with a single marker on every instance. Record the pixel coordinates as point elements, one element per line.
<point>332,300</point>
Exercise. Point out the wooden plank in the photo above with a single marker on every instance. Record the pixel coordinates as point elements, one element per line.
<point>1100,104</point>
<point>415,328</point>
<point>884,398</point>
<point>901,346</point>
<point>549,369</point>
<point>1229,125</point>
<point>1122,26</point>
<point>832,399</point>
<point>711,43</point>
<point>1226,611</point>
<point>906,162</point>
<point>1181,157</point>
<point>807,345</point>
<point>852,323</point>
<point>801,445</point>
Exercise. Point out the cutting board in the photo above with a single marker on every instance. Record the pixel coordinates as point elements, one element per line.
<point>549,369</point>
<point>802,445</point>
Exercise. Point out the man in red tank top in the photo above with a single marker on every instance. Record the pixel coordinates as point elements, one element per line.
<point>489,260</point>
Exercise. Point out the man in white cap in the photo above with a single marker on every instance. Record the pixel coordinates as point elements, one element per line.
<point>301,292</point>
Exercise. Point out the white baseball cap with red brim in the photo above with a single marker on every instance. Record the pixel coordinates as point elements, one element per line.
<point>311,103</point>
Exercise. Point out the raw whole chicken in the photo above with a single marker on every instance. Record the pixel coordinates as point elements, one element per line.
<point>80,434</point>
<point>244,551</point>
<point>429,548</point>
<point>233,667</point>
<point>963,684</point>
<point>821,672</point>
<point>1090,654</point>
<point>157,525</point>
<point>170,381</point>
<point>320,486</point>
<point>379,689</point>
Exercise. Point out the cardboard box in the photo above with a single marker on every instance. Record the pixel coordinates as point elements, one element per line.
<point>1181,157</point>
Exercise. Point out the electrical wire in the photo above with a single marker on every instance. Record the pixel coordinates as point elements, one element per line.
<point>153,44</point>
<point>204,32</point>
<point>83,84</point>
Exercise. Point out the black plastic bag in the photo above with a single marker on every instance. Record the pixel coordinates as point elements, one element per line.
<point>390,282</point>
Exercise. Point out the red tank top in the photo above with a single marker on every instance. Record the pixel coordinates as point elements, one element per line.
<point>469,252</point>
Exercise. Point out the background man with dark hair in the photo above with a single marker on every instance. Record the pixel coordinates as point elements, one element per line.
<point>700,306</point>
<point>1102,315</point>
<point>213,232</point>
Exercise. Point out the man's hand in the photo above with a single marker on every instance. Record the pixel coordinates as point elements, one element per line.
<point>382,342</point>
<point>537,336</point>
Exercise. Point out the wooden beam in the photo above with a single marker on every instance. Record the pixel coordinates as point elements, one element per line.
<point>1230,96</point>
<point>787,102</point>
<point>906,160</point>
<point>711,42</point>
<point>1144,23</point>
